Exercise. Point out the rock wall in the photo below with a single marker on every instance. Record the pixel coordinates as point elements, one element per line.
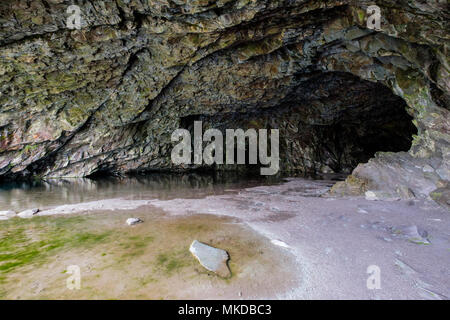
<point>107,97</point>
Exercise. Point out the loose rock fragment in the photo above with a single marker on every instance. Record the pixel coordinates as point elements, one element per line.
<point>211,258</point>
<point>412,234</point>
<point>133,221</point>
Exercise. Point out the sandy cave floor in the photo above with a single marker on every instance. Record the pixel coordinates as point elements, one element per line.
<point>284,241</point>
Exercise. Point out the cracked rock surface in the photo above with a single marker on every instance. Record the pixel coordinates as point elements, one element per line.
<point>106,98</point>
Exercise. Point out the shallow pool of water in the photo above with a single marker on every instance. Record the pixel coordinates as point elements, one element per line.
<point>19,196</point>
<point>146,261</point>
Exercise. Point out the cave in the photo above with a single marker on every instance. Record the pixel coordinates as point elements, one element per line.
<point>328,123</point>
<point>350,200</point>
<point>105,98</point>
<point>335,121</point>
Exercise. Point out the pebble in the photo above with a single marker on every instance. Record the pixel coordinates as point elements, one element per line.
<point>133,221</point>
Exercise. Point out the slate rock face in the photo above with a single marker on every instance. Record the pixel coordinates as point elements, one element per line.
<point>106,98</point>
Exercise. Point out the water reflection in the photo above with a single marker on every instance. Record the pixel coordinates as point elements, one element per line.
<point>24,195</point>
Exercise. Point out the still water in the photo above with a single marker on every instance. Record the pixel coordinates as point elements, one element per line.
<point>18,196</point>
<point>148,261</point>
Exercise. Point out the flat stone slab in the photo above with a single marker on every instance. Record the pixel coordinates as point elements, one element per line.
<point>212,259</point>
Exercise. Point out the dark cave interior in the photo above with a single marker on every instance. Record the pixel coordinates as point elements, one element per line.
<point>329,123</point>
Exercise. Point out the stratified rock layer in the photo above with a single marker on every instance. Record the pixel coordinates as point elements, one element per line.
<point>107,98</point>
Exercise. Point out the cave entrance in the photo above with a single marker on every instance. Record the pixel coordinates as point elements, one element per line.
<point>328,123</point>
<point>334,121</point>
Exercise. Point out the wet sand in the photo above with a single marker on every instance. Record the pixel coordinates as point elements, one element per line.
<point>150,260</point>
<point>336,240</point>
<point>285,241</point>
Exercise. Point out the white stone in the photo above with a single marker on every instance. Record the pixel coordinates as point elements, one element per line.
<point>28,213</point>
<point>211,258</point>
<point>8,214</point>
<point>133,221</point>
<point>280,243</point>
<point>380,196</point>
<point>371,196</point>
